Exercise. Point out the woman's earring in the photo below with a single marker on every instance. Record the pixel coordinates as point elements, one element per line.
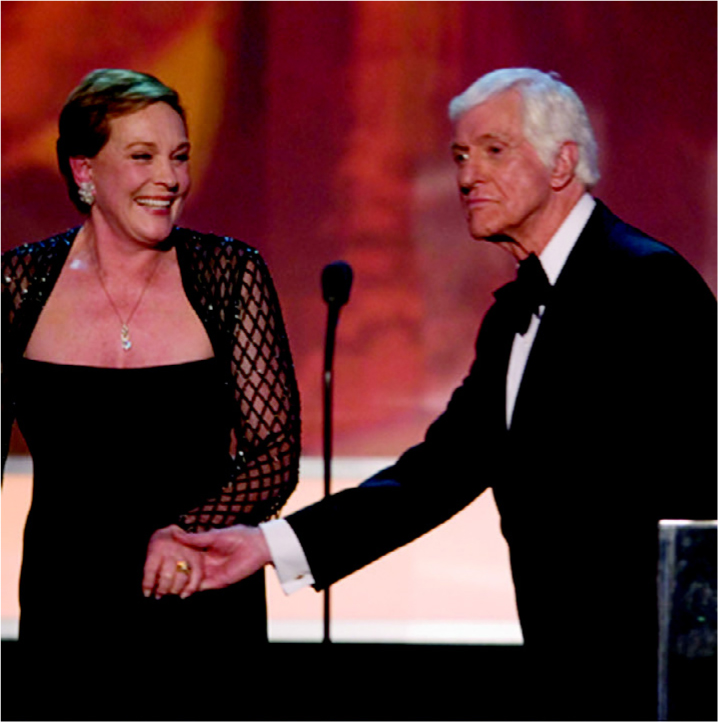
<point>86,192</point>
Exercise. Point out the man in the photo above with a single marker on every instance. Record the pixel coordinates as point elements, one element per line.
<point>589,409</point>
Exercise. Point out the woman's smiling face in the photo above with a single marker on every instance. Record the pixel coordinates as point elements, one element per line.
<point>141,175</point>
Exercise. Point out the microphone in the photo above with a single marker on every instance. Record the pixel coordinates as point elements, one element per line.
<point>336,283</point>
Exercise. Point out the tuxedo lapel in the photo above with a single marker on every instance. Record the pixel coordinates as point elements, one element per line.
<point>564,327</point>
<point>493,350</point>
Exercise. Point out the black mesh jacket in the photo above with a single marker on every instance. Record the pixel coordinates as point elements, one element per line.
<point>230,289</point>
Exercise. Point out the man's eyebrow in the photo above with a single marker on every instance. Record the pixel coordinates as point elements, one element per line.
<point>484,138</point>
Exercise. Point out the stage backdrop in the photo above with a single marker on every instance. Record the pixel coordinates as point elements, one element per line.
<point>320,132</point>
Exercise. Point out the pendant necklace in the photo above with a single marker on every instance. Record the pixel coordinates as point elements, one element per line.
<point>125,341</point>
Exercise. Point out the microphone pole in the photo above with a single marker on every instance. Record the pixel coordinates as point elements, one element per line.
<point>336,284</point>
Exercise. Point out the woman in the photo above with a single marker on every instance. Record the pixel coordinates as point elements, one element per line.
<point>149,371</point>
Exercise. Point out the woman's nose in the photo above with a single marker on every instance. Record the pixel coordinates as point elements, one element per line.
<point>167,175</point>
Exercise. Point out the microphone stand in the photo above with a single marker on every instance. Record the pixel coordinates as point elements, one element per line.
<point>336,284</point>
<point>328,392</point>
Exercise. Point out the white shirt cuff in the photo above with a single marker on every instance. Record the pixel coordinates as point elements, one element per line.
<point>288,557</point>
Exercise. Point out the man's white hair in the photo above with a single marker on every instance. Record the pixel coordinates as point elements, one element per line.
<point>552,114</point>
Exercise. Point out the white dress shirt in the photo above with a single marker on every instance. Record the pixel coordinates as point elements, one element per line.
<point>553,257</point>
<point>288,556</point>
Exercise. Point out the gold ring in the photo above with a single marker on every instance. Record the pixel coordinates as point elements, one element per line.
<point>184,567</point>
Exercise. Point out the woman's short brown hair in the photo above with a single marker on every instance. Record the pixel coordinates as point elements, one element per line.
<point>101,96</point>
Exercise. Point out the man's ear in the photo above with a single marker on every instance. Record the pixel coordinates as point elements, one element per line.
<point>81,168</point>
<point>564,167</point>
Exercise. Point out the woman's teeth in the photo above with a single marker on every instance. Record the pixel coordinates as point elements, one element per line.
<point>154,203</point>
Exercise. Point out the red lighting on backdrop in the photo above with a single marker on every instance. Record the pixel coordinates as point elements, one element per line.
<point>320,133</point>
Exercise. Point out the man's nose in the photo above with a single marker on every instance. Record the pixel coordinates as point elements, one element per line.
<point>470,173</point>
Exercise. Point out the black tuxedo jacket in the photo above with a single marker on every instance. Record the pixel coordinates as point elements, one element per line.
<point>614,428</point>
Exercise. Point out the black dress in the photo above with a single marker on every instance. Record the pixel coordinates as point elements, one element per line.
<point>118,454</point>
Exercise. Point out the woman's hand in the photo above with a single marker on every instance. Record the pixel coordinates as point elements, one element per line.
<point>228,555</point>
<point>171,567</point>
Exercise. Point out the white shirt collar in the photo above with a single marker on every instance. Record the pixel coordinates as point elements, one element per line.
<point>554,255</point>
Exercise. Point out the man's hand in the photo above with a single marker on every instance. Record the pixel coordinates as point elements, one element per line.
<point>228,555</point>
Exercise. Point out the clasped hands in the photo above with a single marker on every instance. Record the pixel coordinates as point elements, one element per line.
<point>180,563</point>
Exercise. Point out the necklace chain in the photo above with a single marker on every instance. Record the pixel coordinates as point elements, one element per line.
<point>125,341</point>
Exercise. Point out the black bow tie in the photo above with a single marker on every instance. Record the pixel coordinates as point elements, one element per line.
<point>521,298</point>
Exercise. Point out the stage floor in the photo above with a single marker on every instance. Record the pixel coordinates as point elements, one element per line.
<point>452,586</point>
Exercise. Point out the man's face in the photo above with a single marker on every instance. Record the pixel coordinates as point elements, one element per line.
<point>505,188</point>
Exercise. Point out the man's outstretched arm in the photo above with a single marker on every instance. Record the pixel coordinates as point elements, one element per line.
<point>234,553</point>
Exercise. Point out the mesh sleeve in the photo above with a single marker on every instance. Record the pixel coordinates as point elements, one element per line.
<point>264,444</point>
<point>28,275</point>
